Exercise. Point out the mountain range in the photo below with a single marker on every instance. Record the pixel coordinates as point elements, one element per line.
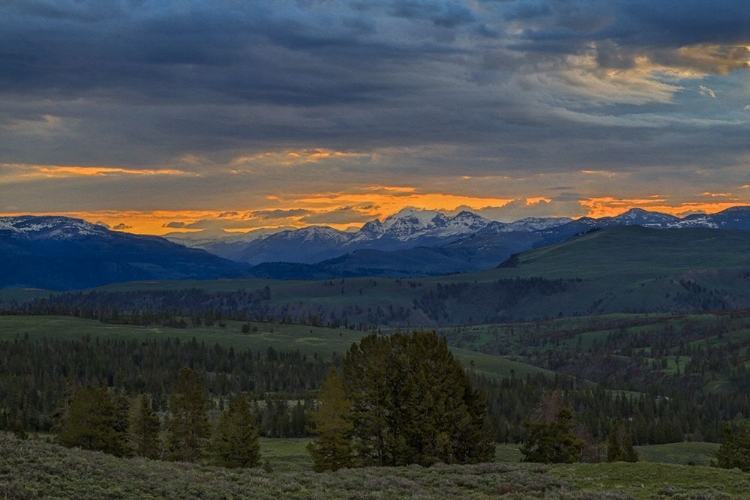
<point>414,242</point>
<point>410,229</point>
<point>60,253</point>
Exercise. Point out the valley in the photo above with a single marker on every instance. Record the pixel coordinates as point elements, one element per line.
<point>649,326</point>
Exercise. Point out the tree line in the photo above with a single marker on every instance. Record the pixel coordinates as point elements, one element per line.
<point>36,375</point>
<point>281,387</point>
<point>400,399</point>
<point>95,419</point>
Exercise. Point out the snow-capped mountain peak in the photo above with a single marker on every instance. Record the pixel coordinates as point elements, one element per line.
<point>50,227</point>
<point>640,217</point>
<point>536,223</point>
<point>319,233</point>
<point>411,224</point>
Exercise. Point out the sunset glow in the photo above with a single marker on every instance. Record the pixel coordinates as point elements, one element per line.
<point>222,118</point>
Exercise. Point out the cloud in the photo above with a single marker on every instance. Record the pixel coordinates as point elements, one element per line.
<point>122,105</point>
<point>280,213</point>
<point>175,225</point>
<point>343,215</point>
<point>122,227</point>
<point>704,90</point>
<point>531,207</point>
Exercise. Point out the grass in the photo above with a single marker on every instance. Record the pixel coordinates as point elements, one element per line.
<point>646,480</point>
<point>688,453</point>
<point>286,455</point>
<point>283,337</point>
<point>308,339</point>
<point>35,469</point>
<point>291,454</point>
<point>507,453</point>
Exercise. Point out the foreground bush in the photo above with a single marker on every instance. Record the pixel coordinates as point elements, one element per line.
<point>35,469</point>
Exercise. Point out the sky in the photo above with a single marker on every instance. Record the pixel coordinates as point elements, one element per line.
<point>160,116</point>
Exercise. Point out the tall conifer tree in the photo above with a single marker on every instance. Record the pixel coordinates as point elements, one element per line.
<point>413,403</point>
<point>235,439</point>
<point>734,451</point>
<point>91,422</point>
<point>187,427</point>
<point>331,423</point>
<point>144,428</point>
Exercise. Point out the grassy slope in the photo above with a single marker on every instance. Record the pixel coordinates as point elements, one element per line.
<point>648,481</point>
<point>632,269</point>
<point>694,453</point>
<point>307,339</point>
<point>636,251</point>
<point>621,269</point>
<point>34,469</point>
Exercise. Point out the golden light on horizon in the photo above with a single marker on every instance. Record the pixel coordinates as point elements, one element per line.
<point>610,207</point>
<point>24,172</point>
<point>394,199</point>
<point>352,209</point>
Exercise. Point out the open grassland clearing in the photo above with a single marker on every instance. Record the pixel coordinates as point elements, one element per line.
<point>647,481</point>
<point>287,337</point>
<point>309,340</point>
<point>291,454</point>
<point>687,453</point>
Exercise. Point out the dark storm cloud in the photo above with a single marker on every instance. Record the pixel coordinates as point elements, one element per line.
<point>625,29</point>
<point>435,87</point>
<point>446,14</point>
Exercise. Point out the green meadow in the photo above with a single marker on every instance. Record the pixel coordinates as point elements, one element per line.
<point>36,469</point>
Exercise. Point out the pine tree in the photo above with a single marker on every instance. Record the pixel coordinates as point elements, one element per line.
<point>365,374</point>
<point>413,403</point>
<point>91,422</point>
<point>734,451</point>
<point>620,445</point>
<point>552,442</point>
<point>614,451</point>
<point>235,439</point>
<point>144,429</point>
<point>187,427</point>
<point>331,423</point>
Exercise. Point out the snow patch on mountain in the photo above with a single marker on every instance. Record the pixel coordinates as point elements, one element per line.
<point>536,224</point>
<point>50,227</point>
<point>410,224</point>
<point>316,234</point>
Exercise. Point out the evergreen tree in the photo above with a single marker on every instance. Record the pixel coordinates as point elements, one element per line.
<point>614,451</point>
<point>235,439</point>
<point>91,422</point>
<point>552,442</point>
<point>413,403</point>
<point>187,426</point>
<point>620,445</point>
<point>144,429</point>
<point>365,374</point>
<point>331,423</point>
<point>734,451</point>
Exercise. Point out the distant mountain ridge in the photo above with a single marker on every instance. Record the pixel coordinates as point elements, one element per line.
<point>411,228</point>
<point>61,253</point>
<point>408,228</point>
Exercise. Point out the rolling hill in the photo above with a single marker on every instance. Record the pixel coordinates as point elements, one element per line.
<point>621,269</point>
<point>60,253</point>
